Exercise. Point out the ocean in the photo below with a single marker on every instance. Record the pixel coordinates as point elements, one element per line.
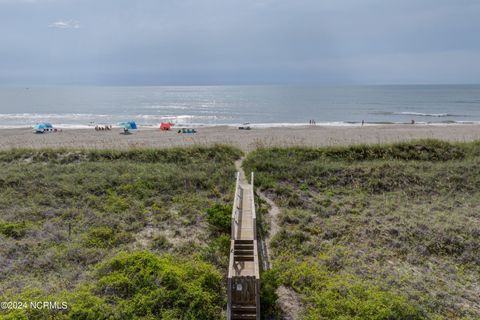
<point>83,107</point>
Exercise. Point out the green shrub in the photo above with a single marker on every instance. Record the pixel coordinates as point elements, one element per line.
<point>330,295</point>
<point>13,230</point>
<point>84,305</point>
<point>141,284</point>
<point>136,285</point>
<point>80,304</point>
<point>105,237</point>
<point>349,299</point>
<point>220,217</point>
<point>269,283</point>
<point>218,251</point>
<point>115,203</point>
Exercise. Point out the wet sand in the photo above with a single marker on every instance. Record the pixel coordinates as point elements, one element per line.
<point>247,140</point>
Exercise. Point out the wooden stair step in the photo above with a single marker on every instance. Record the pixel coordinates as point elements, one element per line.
<point>244,242</point>
<point>244,308</point>
<point>243,258</point>
<point>243,247</point>
<point>243,252</point>
<point>244,317</point>
<point>244,314</point>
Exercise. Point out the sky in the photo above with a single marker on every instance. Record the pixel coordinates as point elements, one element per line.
<point>201,42</point>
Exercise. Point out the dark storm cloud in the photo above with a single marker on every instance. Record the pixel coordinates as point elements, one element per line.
<point>238,41</point>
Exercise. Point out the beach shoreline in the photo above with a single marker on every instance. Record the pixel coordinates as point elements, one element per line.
<point>247,140</point>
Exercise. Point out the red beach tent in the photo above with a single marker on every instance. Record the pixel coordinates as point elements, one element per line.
<point>165,126</point>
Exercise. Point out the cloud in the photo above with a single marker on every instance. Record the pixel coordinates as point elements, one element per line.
<point>65,24</point>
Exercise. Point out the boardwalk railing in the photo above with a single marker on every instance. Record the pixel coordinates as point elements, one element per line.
<point>243,270</point>
<point>237,202</point>
<point>254,213</point>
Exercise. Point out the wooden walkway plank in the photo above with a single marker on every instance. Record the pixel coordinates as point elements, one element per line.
<point>243,273</point>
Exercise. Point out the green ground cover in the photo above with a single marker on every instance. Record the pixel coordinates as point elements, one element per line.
<point>375,232</point>
<point>367,232</point>
<point>134,234</point>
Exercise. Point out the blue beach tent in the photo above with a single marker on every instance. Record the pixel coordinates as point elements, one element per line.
<point>128,125</point>
<point>42,127</point>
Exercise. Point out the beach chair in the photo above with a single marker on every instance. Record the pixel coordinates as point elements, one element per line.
<point>245,126</point>
<point>187,130</point>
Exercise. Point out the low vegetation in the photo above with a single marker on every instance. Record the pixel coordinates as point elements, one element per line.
<point>366,232</point>
<point>375,232</point>
<point>136,234</point>
<point>220,217</point>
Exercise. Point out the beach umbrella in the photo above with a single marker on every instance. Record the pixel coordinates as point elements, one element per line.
<point>129,125</point>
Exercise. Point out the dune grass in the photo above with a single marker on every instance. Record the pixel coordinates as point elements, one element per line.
<point>375,232</point>
<point>367,232</point>
<point>116,234</point>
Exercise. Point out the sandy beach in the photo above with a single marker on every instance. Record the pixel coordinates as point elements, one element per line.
<point>245,139</point>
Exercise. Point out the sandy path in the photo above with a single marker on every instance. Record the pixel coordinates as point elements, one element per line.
<point>274,212</point>
<point>288,300</point>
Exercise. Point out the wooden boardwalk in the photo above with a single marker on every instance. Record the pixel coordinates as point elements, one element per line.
<point>243,270</point>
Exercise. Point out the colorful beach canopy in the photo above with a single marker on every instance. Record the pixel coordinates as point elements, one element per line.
<point>130,125</point>
<point>42,126</point>
<point>166,125</point>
